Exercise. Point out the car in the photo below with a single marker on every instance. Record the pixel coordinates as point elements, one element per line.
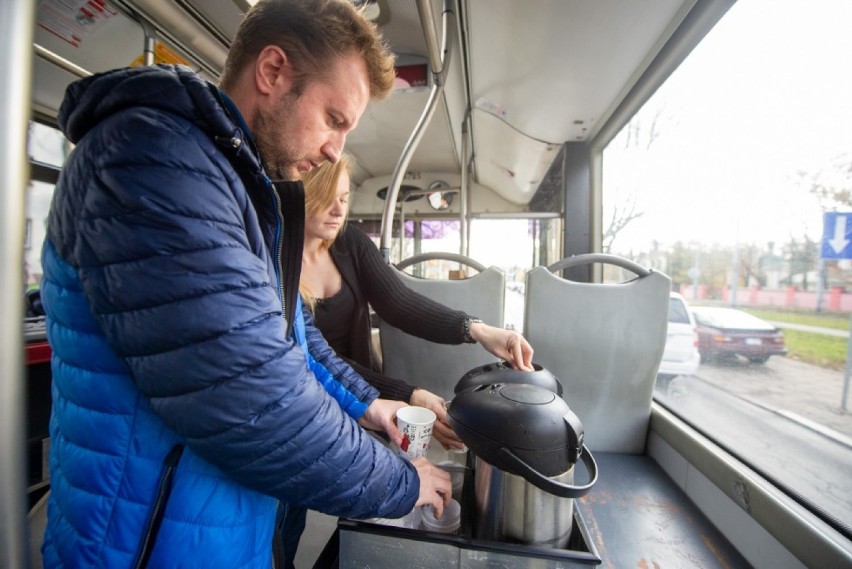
<point>680,356</point>
<point>729,332</point>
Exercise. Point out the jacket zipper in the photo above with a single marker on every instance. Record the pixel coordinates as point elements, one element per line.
<point>290,229</point>
<point>279,252</point>
<point>156,516</point>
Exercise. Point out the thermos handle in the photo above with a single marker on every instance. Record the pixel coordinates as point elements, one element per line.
<point>549,485</point>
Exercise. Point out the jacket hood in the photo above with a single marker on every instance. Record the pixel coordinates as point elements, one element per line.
<point>170,88</point>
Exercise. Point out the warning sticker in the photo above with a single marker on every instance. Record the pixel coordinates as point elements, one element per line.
<point>162,54</point>
<point>73,20</point>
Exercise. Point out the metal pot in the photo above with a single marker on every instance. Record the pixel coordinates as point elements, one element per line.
<point>526,442</point>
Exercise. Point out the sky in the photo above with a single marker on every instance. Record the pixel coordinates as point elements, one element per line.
<point>766,95</point>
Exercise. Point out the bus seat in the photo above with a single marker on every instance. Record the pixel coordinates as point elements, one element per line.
<point>604,342</point>
<point>438,367</point>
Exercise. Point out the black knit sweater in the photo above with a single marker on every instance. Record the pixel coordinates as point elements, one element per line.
<point>373,282</point>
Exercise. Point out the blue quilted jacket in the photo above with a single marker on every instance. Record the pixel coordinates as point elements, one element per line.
<point>189,393</point>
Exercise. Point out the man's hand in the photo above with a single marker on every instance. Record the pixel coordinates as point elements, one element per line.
<point>436,487</point>
<point>381,416</point>
<point>441,430</point>
<point>508,345</point>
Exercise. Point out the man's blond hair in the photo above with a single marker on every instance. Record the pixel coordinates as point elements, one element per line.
<point>311,33</point>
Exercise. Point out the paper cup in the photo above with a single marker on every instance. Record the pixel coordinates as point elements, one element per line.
<point>415,424</point>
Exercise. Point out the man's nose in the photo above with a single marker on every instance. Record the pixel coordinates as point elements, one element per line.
<point>333,148</point>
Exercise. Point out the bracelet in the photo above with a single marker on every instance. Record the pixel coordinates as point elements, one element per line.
<point>468,322</point>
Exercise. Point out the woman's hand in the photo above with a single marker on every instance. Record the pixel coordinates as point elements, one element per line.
<point>441,430</point>
<point>381,416</point>
<point>508,345</point>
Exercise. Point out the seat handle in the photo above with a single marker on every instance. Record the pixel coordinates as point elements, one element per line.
<point>605,258</point>
<point>455,257</point>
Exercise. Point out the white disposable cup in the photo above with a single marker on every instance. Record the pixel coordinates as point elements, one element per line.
<point>415,424</point>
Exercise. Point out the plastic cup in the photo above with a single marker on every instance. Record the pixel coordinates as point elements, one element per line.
<point>449,522</point>
<point>412,520</point>
<point>415,424</point>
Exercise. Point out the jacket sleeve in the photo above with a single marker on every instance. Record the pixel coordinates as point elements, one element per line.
<point>397,304</point>
<point>159,231</point>
<point>354,407</point>
<point>389,387</point>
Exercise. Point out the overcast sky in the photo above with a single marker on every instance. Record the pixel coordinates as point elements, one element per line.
<point>767,94</point>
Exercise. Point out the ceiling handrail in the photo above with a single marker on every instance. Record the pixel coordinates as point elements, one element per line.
<point>439,70</point>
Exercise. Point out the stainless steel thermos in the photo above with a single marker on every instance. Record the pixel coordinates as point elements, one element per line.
<point>526,441</point>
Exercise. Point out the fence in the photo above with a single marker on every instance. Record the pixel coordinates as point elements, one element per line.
<point>833,300</point>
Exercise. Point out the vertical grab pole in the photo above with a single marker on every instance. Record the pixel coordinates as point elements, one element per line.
<point>149,46</point>
<point>439,68</point>
<point>847,371</point>
<point>16,28</point>
<point>464,245</point>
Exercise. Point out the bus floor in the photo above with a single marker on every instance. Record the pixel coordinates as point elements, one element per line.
<point>318,531</point>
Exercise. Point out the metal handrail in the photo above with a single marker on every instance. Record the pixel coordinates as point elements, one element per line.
<point>17,18</point>
<point>439,69</point>
<point>60,61</point>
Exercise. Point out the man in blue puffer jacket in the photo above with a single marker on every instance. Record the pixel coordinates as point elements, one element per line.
<point>189,393</point>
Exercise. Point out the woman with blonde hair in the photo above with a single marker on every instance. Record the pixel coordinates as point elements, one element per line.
<point>343,272</point>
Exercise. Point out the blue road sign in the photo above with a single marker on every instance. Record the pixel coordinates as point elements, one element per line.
<point>836,235</point>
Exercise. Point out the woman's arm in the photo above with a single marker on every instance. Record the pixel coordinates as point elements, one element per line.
<point>394,302</point>
<point>389,387</point>
<point>332,364</point>
<point>420,316</point>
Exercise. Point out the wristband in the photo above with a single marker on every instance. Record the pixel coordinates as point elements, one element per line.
<point>468,339</point>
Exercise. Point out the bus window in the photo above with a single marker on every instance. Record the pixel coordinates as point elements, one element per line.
<point>39,195</point>
<point>722,181</point>
<point>47,149</point>
<point>47,145</point>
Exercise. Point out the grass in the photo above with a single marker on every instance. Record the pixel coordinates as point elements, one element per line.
<point>813,348</point>
<point>818,349</point>
<point>835,321</point>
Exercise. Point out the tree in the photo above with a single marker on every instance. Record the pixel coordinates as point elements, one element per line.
<point>630,146</point>
<point>832,186</point>
<point>621,216</point>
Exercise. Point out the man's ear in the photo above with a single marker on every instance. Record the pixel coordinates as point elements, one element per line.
<point>273,71</point>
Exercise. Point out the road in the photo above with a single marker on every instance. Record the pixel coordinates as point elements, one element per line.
<point>783,418</point>
<point>804,392</point>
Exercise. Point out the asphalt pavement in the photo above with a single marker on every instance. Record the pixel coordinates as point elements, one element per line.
<point>807,394</point>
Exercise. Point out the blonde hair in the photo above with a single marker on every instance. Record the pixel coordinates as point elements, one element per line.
<point>320,192</point>
<point>311,33</point>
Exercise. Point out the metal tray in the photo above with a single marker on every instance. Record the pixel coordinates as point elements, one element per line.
<point>365,544</point>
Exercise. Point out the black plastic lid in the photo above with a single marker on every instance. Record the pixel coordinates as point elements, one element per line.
<point>531,421</point>
<point>501,372</point>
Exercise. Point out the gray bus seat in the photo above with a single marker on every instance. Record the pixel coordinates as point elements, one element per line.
<point>604,342</point>
<point>438,367</point>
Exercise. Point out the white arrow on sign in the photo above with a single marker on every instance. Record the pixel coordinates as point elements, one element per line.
<point>839,241</point>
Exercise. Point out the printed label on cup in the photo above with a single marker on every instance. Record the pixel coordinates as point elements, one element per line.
<point>415,424</point>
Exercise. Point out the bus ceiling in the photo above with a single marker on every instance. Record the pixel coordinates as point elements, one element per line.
<point>523,81</point>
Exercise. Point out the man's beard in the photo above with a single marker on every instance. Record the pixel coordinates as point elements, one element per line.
<point>270,128</point>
